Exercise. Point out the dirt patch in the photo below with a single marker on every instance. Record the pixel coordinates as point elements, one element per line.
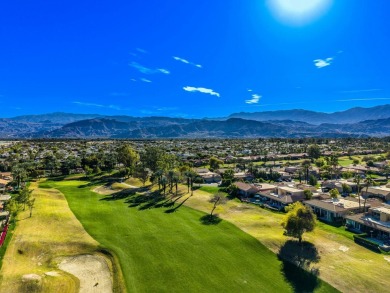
<point>343,248</point>
<point>104,190</point>
<point>92,271</point>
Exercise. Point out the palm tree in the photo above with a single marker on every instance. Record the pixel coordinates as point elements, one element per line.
<point>357,179</point>
<point>306,165</point>
<point>368,181</point>
<point>164,182</point>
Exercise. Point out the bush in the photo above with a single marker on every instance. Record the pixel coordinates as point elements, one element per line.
<point>362,240</point>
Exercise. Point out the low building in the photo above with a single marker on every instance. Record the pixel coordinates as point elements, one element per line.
<point>382,192</point>
<point>281,196</point>
<point>245,189</point>
<point>376,222</point>
<point>334,210</point>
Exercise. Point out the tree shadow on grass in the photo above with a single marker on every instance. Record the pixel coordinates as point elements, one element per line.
<point>172,210</point>
<point>210,220</point>
<point>296,260</point>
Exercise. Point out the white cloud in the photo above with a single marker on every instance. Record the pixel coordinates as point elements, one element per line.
<point>186,61</point>
<point>115,107</point>
<point>360,91</point>
<point>181,60</point>
<point>146,70</point>
<point>255,99</point>
<point>162,70</point>
<point>145,80</point>
<point>89,104</point>
<point>201,90</point>
<point>319,63</point>
<point>133,79</point>
<point>249,90</point>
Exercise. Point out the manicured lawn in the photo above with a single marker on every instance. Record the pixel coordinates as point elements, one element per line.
<point>165,249</point>
<point>342,263</point>
<point>53,231</point>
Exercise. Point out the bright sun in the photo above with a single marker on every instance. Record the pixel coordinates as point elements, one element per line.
<point>298,12</point>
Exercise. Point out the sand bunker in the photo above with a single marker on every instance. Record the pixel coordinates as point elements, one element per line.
<point>92,271</point>
<point>343,248</point>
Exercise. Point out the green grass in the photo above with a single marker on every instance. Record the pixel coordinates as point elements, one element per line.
<point>335,230</point>
<point>209,189</point>
<point>160,251</point>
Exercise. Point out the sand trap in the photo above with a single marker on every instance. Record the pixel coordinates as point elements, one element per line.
<point>343,248</point>
<point>53,274</point>
<point>91,270</point>
<point>104,190</point>
<point>31,277</point>
<point>387,258</point>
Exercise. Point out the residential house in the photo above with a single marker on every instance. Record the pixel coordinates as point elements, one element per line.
<point>376,222</point>
<point>281,196</point>
<point>245,189</point>
<point>334,210</point>
<point>382,192</point>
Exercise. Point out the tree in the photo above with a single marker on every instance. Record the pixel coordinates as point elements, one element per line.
<point>23,196</point>
<point>227,177</point>
<point>346,188</point>
<point>128,157</point>
<point>214,163</point>
<point>368,181</point>
<point>299,219</point>
<point>218,198</point>
<point>19,175</point>
<point>313,180</point>
<point>13,208</point>
<point>308,194</point>
<point>334,193</point>
<point>142,173</point>
<point>313,151</point>
<point>31,204</point>
<point>357,179</point>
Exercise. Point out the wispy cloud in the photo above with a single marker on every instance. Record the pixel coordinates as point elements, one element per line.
<point>249,90</point>
<point>362,99</point>
<point>88,104</point>
<point>133,79</point>
<point>142,51</point>
<point>186,61</point>
<point>162,70</point>
<point>145,80</point>
<point>320,63</point>
<point>146,70</point>
<point>201,90</point>
<point>85,104</point>
<point>360,91</point>
<point>255,99</point>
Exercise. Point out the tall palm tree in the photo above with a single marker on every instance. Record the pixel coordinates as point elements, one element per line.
<point>368,181</point>
<point>357,179</point>
<point>306,165</point>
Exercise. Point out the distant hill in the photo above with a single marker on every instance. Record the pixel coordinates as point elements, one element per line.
<point>57,117</point>
<point>352,115</point>
<point>288,123</point>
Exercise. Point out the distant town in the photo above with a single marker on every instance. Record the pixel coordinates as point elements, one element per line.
<point>343,183</point>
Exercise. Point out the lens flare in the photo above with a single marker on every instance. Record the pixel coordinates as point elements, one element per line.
<point>298,12</point>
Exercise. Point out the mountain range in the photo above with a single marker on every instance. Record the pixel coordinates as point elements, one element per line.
<point>355,122</point>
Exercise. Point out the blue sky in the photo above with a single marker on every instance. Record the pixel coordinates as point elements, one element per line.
<point>192,58</point>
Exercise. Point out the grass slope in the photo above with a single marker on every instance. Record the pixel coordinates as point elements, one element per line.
<point>175,252</point>
<point>355,270</point>
<point>51,232</point>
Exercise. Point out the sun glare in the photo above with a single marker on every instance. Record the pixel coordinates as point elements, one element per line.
<point>298,12</point>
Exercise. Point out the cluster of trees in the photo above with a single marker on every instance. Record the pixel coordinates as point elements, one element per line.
<point>19,201</point>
